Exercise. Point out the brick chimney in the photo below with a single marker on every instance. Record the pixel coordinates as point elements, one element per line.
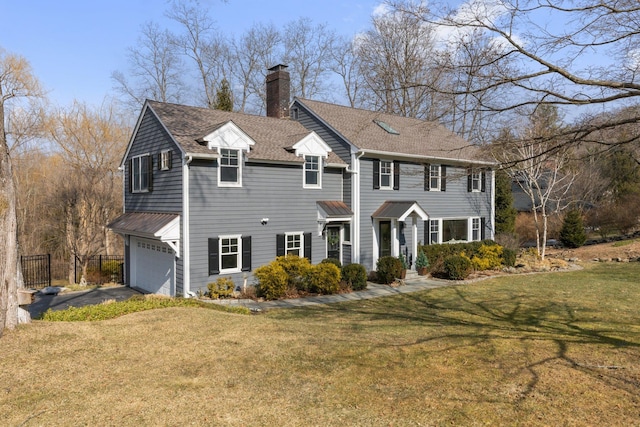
<point>278,92</point>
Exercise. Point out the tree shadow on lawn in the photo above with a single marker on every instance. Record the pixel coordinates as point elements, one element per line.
<point>462,316</point>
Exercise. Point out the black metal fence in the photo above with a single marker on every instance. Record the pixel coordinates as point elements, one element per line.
<point>101,269</point>
<point>36,270</point>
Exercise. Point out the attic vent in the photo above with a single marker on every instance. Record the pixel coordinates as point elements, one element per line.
<point>387,127</point>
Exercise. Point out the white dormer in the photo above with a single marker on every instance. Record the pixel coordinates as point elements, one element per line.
<point>313,149</point>
<point>229,136</point>
<point>230,141</point>
<point>311,145</point>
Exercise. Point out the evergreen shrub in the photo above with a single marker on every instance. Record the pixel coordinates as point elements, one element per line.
<point>355,275</point>
<point>457,267</point>
<point>388,269</point>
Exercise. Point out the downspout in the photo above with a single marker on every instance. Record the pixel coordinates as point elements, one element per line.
<point>355,205</point>
<point>186,264</point>
<point>493,205</point>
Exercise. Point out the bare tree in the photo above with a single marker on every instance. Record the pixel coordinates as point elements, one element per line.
<point>16,80</point>
<point>542,166</point>
<point>308,53</point>
<point>397,61</point>
<point>203,45</point>
<point>555,65</point>
<point>88,195</point>
<point>155,69</point>
<point>251,55</point>
<point>347,65</point>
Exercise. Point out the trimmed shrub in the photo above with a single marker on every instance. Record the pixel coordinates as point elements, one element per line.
<point>488,258</point>
<point>323,278</point>
<point>572,234</point>
<point>272,281</point>
<point>333,261</point>
<point>221,288</point>
<point>388,269</point>
<point>508,257</point>
<point>457,267</point>
<point>296,268</point>
<point>355,275</point>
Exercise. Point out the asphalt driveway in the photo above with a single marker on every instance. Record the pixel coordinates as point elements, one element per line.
<point>79,299</point>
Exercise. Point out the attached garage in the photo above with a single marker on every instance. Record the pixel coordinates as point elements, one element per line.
<point>152,266</point>
<point>153,245</point>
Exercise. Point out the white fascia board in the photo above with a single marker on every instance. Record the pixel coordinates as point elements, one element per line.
<point>230,136</point>
<point>414,157</point>
<point>415,208</point>
<point>311,145</point>
<point>203,156</point>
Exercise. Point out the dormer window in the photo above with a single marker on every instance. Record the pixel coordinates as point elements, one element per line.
<point>312,172</point>
<point>230,173</point>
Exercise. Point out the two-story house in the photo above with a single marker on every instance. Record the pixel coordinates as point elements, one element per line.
<point>211,193</point>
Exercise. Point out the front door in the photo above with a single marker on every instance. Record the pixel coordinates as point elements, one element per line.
<point>385,238</point>
<point>333,243</point>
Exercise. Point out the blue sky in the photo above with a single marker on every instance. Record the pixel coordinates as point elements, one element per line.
<point>74,46</point>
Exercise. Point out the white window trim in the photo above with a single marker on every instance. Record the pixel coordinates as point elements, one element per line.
<point>390,186</point>
<point>439,178</point>
<point>164,160</point>
<point>286,243</point>
<point>304,172</point>
<point>137,160</point>
<point>238,183</point>
<point>438,221</point>
<point>476,180</point>
<point>472,229</point>
<point>238,269</point>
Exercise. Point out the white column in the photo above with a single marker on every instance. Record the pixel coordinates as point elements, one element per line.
<point>414,238</point>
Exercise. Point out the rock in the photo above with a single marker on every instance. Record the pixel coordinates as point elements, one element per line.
<point>574,259</point>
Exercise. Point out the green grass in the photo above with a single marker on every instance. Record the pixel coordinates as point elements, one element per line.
<point>545,349</point>
<point>623,243</point>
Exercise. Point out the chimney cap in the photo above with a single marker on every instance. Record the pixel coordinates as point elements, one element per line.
<point>279,67</point>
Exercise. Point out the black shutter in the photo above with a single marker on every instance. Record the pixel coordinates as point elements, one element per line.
<point>280,245</point>
<point>443,178</point>
<point>150,171</point>
<point>483,224</point>
<point>160,161</point>
<point>483,178</point>
<point>246,253</point>
<point>427,177</point>
<point>130,175</point>
<point>469,180</point>
<point>214,262</point>
<point>376,174</point>
<point>307,246</point>
<point>427,232</point>
<point>396,175</point>
<point>170,159</point>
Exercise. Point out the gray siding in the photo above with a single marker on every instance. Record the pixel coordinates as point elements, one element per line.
<point>338,145</point>
<point>166,194</point>
<point>455,202</point>
<point>268,191</point>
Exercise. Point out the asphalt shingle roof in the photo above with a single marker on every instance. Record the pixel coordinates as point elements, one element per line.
<point>414,136</point>
<point>273,136</point>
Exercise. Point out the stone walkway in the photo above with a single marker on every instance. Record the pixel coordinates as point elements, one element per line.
<point>412,283</point>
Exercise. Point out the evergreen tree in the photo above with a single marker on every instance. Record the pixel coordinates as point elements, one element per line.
<point>505,212</point>
<point>572,234</point>
<point>224,99</point>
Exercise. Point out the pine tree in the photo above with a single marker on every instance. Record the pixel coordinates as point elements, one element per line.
<point>572,234</point>
<point>505,212</point>
<point>224,100</point>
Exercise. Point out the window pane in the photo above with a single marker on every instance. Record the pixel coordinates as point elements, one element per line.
<point>312,170</point>
<point>311,178</point>
<point>229,174</point>
<point>294,244</point>
<point>434,232</point>
<point>347,232</point>
<point>229,261</point>
<point>385,181</point>
<point>454,229</point>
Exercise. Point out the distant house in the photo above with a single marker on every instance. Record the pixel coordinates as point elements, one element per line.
<point>213,194</point>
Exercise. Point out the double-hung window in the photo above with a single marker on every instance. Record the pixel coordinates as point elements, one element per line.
<point>475,229</point>
<point>141,174</point>
<point>434,231</point>
<point>230,254</point>
<point>294,244</point>
<point>475,181</point>
<point>434,178</point>
<point>230,171</point>
<point>312,172</point>
<point>165,160</point>
<point>386,174</point>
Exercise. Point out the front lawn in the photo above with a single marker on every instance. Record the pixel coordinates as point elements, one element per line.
<point>545,349</point>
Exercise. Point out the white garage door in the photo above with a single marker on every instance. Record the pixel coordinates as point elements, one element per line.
<point>152,266</point>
